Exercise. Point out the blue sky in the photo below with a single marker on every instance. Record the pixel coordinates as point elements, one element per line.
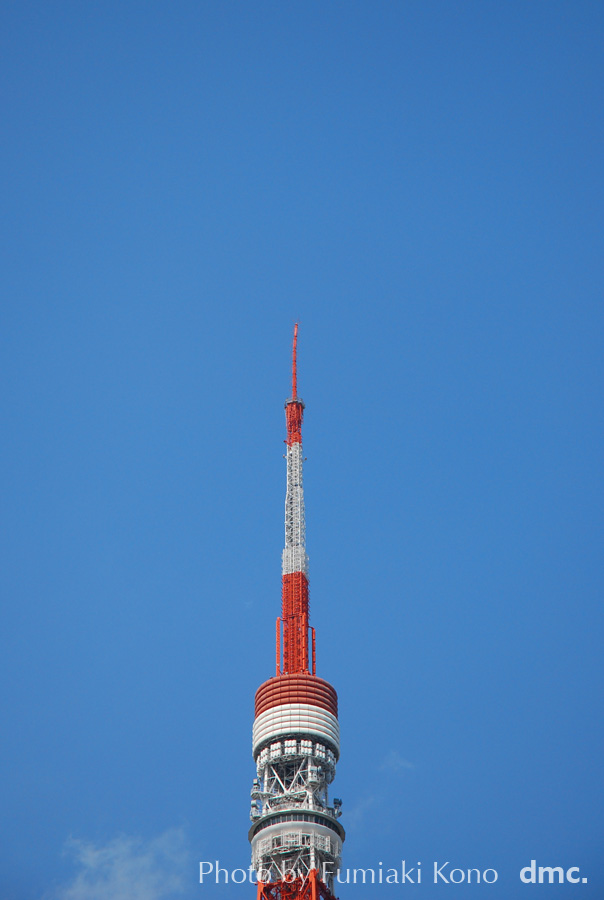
<point>420,185</point>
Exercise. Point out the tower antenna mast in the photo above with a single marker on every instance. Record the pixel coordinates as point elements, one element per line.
<point>294,364</point>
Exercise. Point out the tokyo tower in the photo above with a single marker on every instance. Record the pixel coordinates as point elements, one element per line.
<point>296,837</point>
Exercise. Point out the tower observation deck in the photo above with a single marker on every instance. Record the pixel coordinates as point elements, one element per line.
<point>296,837</point>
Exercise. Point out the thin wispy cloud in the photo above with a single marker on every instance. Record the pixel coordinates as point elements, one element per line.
<point>394,762</point>
<point>355,816</point>
<point>127,868</point>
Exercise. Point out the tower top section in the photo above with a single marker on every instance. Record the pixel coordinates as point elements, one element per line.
<point>295,835</point>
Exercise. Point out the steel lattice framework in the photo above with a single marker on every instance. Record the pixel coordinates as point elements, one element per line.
<point>296,837</point>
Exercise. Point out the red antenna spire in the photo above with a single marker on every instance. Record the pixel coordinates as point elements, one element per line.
<point>294,408</point>
<point>294,365</point>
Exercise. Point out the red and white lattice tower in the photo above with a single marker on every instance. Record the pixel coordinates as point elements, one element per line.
<point>295,835</point>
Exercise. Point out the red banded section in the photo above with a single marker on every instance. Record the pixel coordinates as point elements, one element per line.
<point>296,689</point>
<point>294,614</point>
<point>294,413</point>
<point>308,888</point>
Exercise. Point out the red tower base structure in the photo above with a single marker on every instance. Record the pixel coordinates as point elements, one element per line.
<point>310,888</point>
